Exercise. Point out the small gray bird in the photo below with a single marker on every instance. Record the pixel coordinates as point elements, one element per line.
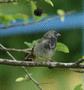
<point>45,47</point>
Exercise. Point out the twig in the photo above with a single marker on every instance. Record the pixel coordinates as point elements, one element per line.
<point>26,71</point>
<point>16,50</point>
<point>79,61</point>
<point>31,78</point>
<point>8,52</point>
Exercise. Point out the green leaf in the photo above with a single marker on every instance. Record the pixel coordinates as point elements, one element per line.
<point>61,14</point>
<point>28,44</point>
<point>34,42</point>
<point>6,19</point>
<point>82,57</point>
<point>62,48</point>
<point>78,87</point>
<point>50,2</point>
<point>20,79</point>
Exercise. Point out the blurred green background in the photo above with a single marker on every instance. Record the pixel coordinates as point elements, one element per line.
<point>55,79</point>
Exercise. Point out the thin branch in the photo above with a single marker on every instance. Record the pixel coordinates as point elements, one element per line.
<point>40,64</point>
<point>31,78</point>
<point>24,64</point>
<point>37,64</point>
<point>16,50</point>
<point>79,61</point>
<point>26,71</point>
<point>8,52</point>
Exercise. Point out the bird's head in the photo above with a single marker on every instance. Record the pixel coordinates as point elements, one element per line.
<point>51,34</point>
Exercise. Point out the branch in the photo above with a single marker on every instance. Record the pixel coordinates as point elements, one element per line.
<point>40,64</point>
<point>26,71</point>
<point>16,50</point>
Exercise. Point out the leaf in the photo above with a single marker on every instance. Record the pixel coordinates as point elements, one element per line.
<point>20,79</point>
<point>82,57</point>
<point>7,19</point>
<point>61,14</point>
<point>28,44</point>
<point>50,2</point>
<point>62,48</point>
<point>34,42</point>
<point>78,87</point>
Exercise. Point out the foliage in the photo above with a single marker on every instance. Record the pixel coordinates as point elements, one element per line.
<point>20,79</point>
<point>61,14</point>
<point>55,79</point>
<point>8,19</point>
<point>83,57</point>
<point>62,48</point>
<point>50,2</point>
<point>78,87</point>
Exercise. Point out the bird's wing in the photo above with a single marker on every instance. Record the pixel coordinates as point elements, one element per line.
<point>46,44</point>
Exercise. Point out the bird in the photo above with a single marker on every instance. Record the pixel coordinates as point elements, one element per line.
<point>44,48</point>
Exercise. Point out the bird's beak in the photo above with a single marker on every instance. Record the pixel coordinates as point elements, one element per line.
<point>58,34</point>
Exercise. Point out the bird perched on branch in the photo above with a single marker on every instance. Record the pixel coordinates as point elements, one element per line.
<point>44,49</point>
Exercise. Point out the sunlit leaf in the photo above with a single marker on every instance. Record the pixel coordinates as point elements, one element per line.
<point>50,2</point>
<point>33,5</point>
<point>78,87</point>
<point>20,79</point>
<point>82,57</point>
<point>7,19</point>
<point>61,14</point>
<point>28,44</point>
<point>62,47</point>
<point>34,42</point>
<point>15,3</point>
